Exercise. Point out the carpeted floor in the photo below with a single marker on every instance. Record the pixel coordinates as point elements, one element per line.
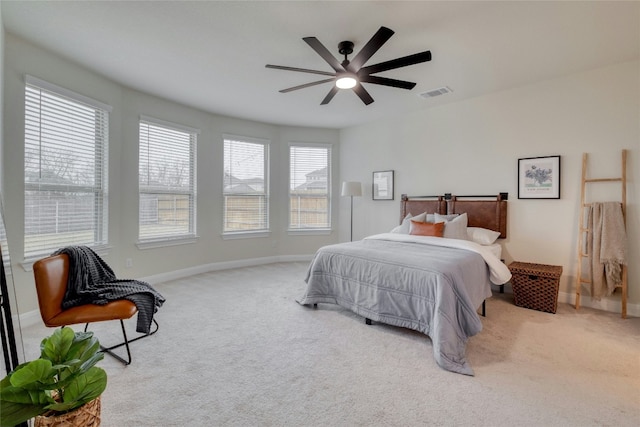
<point>235,349</point>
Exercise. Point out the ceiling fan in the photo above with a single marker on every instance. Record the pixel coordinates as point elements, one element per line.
<point>351,74</point>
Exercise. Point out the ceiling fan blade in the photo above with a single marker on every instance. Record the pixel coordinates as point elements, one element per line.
<point>305,85</point>
<point>330,95</point>
<point>302,70</point>
<point>363,94</point>
<point>416,58</point>
<point>387,82</point>
<point>372,46</point>
<point>323,52</point>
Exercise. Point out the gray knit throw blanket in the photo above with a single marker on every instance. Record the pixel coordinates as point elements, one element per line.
<point>92,281</point>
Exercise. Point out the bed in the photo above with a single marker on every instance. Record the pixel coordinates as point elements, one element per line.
<point>433,285</point>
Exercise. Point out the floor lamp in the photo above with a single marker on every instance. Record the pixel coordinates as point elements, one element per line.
<point>351,189</point>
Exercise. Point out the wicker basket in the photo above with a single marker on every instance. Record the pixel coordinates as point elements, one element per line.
<point>535,286</point>
<point>88,415</point>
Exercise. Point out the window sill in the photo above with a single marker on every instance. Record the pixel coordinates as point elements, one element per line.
<point>309,231</point>
<point>245,235</point>
<point>161,243</point>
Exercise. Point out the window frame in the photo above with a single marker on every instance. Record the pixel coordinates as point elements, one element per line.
<point>329,160</point>
<point>100,187</point>
<point>162,240</point>
<point>266,194</point>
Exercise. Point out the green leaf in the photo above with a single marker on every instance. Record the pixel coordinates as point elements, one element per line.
<point>6,382</point>
<point>87,386</point>
<point>83,389</point>
<point>91,361</point>
<point>20,395</point>
<point>14,413</point>
<point>93,347</point>
<point>31,375</point>
<point>81,342</point>
<point>56,347</point>
<point>19,405</point>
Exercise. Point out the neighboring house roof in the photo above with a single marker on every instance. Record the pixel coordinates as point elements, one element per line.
<point>316,185</point>
<point>233,184</point>
<point>259,182</point>
<point>239,188</point>
<point>230,179</point>
<point>316,180</point>
<point>318,172</point>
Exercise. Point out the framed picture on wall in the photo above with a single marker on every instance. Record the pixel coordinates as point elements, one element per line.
<point>383,185</point>
<point>539,177</point>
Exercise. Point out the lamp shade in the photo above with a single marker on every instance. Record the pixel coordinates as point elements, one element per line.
<point>351,188</point>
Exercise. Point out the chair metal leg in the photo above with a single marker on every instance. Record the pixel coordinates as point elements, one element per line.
<point>125,343</point>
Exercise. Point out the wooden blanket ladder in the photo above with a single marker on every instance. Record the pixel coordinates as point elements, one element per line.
<point>585,231</point>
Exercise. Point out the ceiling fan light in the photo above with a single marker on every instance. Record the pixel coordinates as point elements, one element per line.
<point>346,82</point>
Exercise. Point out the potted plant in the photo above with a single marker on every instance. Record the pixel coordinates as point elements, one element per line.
<point>63,382</point>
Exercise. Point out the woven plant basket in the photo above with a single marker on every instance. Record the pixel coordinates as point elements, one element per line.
<point>88,415</point>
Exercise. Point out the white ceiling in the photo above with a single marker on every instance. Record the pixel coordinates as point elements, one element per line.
<point>212,55</point>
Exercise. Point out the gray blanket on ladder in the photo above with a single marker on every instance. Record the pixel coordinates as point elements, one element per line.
<point>92,281</point>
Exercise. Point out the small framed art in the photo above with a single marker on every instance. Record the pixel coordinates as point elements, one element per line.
<point>383,185</point>
<point>539,177</point>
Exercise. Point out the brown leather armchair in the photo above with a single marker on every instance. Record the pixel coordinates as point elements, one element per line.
<point>51,275</point>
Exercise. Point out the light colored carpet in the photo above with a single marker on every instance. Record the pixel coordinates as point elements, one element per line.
<point>234,348</point>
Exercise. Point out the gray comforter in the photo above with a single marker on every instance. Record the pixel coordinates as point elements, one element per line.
<point>432,289</point>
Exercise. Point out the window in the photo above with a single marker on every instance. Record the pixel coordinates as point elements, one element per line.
<point>309,187</point>
<point>246,185</point>
<point>167,181</point>
<point>65,169</point>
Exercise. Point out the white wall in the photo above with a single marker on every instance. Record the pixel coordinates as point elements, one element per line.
<point>24,58</point>
<point>473,146</point>
<point>467,147</point>
<point>1,97</point>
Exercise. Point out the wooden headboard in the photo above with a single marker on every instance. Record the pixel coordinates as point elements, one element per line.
<point>482,211</point>
<point>418,204</point>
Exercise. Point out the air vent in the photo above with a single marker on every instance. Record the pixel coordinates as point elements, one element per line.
<point>436,92</point>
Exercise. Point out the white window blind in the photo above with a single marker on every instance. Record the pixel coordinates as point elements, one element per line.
<point>309,187</point>
<point>65,162</point>
<point>167,181</point>
<point>246,185</point>
<point>4,247</point>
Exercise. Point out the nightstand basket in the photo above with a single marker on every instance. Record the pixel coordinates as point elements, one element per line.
<point>535,286</point>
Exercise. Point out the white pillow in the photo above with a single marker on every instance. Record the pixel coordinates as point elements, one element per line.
<point>406,222</point>
<point>448,217</point>
<point>482,236</point>
<point>455,228</point>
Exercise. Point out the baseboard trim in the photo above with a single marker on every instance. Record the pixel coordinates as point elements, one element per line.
<point>611,304</point>
<point>29,318</point>
<point>33,317</point>
<point>225,265</point>
<point>606,304</point>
